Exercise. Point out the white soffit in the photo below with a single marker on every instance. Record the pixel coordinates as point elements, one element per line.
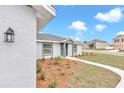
<point>44,14</point>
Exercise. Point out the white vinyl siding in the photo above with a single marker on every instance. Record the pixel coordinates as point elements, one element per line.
<point>79,49</point>
<point>75,49</point>
<point>47,49</point>
<point>39,50</point>
<point>56,50</point>
<point>18,59</point>
<point>69,49</point>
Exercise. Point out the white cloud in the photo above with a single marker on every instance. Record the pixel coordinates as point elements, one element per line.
<point>100,27</point>
<point>78,25</point>
<point>77,38</point>
<point>120,33</point>
<point>113,15</point>
<point>74,38</point>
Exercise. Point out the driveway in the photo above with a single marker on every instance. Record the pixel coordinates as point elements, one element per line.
<point>113,69</point>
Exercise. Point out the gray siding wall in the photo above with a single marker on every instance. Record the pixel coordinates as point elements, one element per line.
<point>56,50</point>
<point>69,49</point>
<point>18,59</point>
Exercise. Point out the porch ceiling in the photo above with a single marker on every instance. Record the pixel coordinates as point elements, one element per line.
<point>44,14</point>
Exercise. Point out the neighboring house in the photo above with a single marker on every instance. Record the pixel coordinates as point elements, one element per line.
<point>118,42</point>
<point>97,44</point>
<point>85,45</point>
<point>52,46</point>
<point>18,27</point>
<point>109,47</point>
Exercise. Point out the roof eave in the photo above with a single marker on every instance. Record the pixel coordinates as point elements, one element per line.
<point>45,13</point>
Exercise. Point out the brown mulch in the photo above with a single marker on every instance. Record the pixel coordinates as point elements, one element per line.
<point>61,73</point>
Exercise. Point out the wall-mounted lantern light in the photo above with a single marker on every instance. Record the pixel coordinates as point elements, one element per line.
<point>9,35</point>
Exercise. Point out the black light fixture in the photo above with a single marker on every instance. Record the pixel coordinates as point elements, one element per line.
<point>9,35</point>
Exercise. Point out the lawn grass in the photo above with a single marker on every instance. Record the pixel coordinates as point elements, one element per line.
<point>69,73</point>
<point>112,60</point>
<point>88,76</point>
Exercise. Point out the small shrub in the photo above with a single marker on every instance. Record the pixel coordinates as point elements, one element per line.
<point>78,77</point>
<point>67,64</point>
<point>51,58</point>
<point>49,66</point>
<point>75,56</point>
<point>42,76</point>
<point>79,55</point>
<point>62,73</point>
<point>75,62</point>
<point>52,84</point>
<point>94,54</point>
<point>43,58</point>
<point>91,54</point>
<point>68,67</point>
<point>57,60</point>
<point>58,69</point>
<point>82,54</point>
<point>86,54</point>
<point>38,68</point>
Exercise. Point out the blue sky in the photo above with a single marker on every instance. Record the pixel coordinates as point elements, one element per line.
<point>85,23</point>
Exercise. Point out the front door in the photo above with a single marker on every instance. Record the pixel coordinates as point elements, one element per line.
<point>62,49</point>
<point>66,49</point>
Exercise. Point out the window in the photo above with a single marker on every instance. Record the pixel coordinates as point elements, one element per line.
<point>75,48</point>
<point>122,40</point>
<point>117,40</point>
<point>47,49</point>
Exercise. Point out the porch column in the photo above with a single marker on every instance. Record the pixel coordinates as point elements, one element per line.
<point>64,49</point>
<point>72,49</point>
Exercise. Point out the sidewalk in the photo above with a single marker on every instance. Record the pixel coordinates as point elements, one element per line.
<point>113,69</point>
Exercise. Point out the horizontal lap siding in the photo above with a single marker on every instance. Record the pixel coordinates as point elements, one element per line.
<point>79,49</point>
<point>56,50</point>
<point>69,49</point>
<point>18,59</point>
<point>39,50</point>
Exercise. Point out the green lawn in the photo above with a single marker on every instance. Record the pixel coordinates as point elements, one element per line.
<point>63,73</point>
<point>88,76</point>
<point>112,60</point>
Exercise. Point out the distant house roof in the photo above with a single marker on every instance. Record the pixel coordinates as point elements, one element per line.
<point>96,40</point>
<point>49,37</point>
<point>118,36</point>
<point>44,37</point>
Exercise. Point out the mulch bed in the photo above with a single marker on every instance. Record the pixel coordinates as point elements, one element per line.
<point>61,72</point>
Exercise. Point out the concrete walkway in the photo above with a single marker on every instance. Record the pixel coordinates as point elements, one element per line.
<point>113,69</point>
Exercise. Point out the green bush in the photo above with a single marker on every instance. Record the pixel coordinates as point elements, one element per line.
<point>62,73</point>
<point>43,58</point>
<point>38,68</point>
<point>57,60</point>
<point>82,54</point>
<point>51,58</point>
<point>52,84</point>
<point>42,76</point>
<point>78,77</point>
